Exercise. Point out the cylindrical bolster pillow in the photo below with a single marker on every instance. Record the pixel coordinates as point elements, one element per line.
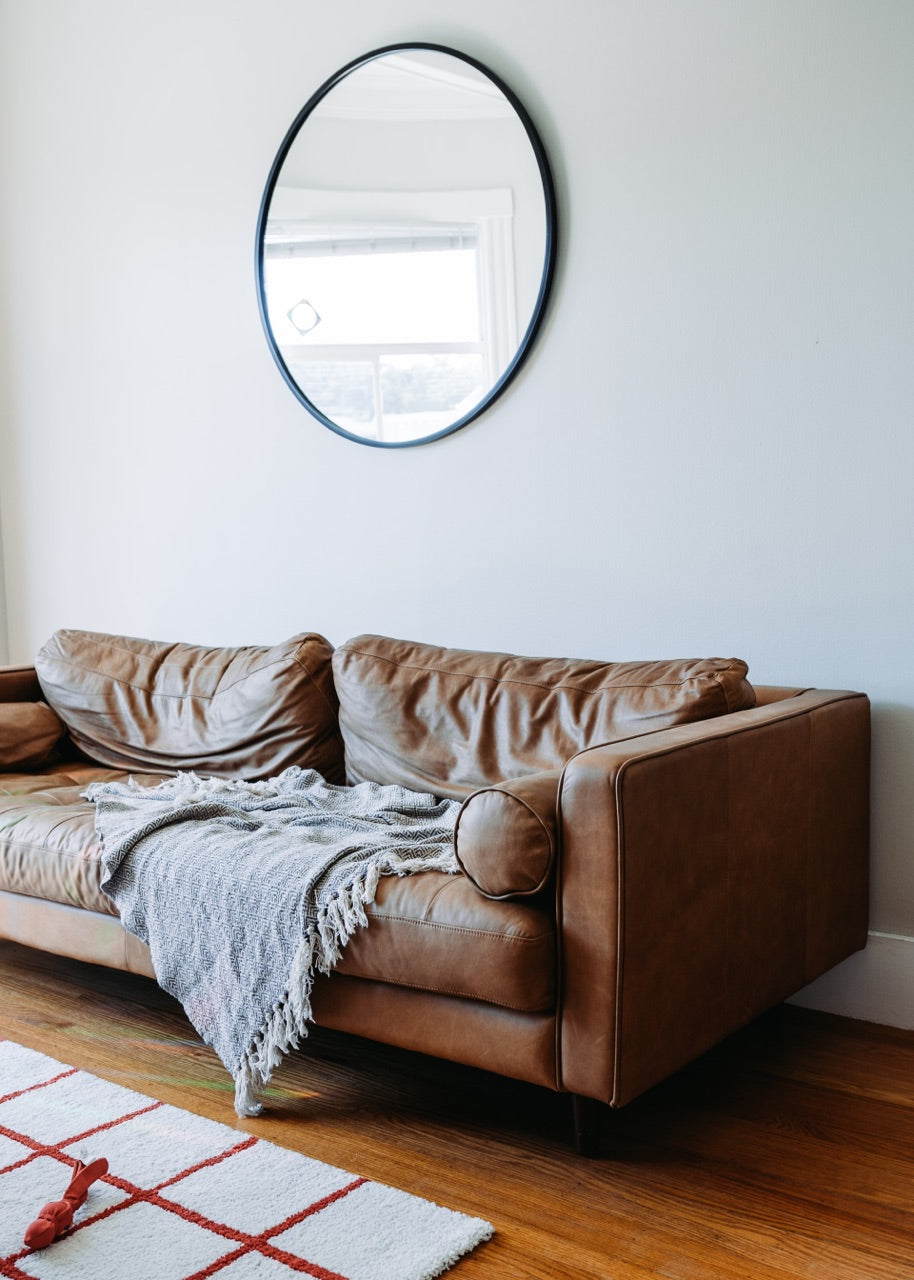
<point>505,838</point>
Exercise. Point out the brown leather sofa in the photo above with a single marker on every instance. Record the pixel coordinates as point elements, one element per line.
<point>652,853</point>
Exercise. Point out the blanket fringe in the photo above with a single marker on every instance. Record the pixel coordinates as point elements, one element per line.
<point>353,820</point>
<point>286,1025</point>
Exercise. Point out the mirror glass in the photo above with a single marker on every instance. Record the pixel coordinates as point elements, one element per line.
<point>405,245</point>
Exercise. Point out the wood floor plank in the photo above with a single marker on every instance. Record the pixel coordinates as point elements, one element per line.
<point>787,1152</point>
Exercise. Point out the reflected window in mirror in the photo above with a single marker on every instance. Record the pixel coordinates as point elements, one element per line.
<point>405,246</point>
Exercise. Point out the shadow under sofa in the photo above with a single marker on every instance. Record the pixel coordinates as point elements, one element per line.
<point>652,854</point>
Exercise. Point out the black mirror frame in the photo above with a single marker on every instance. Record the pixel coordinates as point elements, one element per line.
<point>546,281</point>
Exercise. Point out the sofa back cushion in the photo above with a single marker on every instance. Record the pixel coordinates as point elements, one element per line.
<point>231,712</point>
<point>452,720</point>
<point>29,734</point>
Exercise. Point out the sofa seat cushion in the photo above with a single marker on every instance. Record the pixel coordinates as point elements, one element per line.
<point>450,721</point>
<point>431,931</point>
<point>435,932</point>
<point>231,712</point>
<point>48,847</point>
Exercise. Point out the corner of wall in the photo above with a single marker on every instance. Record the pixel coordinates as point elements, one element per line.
<point>874,985</point>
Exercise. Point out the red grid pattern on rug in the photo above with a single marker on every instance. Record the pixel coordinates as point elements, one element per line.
<point>244,1242</point>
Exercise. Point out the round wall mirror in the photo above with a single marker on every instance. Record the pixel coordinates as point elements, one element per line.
<point>405,245</point>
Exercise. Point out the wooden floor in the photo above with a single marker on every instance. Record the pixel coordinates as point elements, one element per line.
<point>786,1152</point>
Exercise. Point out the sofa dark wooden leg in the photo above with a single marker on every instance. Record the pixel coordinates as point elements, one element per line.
<point>586,1118</point>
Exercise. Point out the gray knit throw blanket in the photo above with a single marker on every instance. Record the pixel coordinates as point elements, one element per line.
<point>244,891</point>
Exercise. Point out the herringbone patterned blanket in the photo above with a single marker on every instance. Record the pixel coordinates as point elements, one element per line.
<point>244,891</point>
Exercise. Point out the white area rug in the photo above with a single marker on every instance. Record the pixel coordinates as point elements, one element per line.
<point>186,1198</point>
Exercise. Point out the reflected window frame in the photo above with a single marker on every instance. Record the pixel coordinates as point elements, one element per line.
<point>488,229</point>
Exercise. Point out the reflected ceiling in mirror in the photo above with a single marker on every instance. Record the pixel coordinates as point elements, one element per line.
<point>405,245</point>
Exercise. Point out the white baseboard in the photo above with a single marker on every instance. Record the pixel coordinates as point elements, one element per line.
<point>875,985</point>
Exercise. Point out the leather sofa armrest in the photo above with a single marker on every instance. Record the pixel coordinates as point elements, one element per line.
<point>505,838</point>
<point>19,684</point>
<point>707,872</point>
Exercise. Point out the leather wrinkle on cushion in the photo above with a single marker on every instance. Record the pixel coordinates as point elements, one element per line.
<point>452,721</point>
<point>245,712</point>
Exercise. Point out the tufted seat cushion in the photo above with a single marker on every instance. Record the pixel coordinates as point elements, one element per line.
<point>435,932</point>
<point>48,850</point>
<point>48,847</point>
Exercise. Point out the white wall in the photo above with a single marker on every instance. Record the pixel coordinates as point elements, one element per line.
<point>710,450</point>
<point>4,641</point>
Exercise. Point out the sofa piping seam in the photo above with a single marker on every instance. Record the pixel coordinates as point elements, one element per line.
<point>202,697</point>
<point>444,991</point>
<point>12,843</point>
<point>549,688</point>
<point>534,938</point>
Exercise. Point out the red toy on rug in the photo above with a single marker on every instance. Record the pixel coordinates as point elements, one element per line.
<point>57,1217</point>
